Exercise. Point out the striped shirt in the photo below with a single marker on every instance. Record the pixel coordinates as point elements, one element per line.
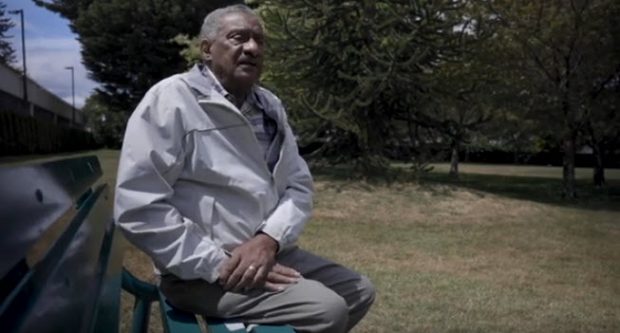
<point>263,126</point>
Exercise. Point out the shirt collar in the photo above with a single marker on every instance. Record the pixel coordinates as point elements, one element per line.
<point>252,97</point>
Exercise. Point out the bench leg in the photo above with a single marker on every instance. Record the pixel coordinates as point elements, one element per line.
<point>141,315</point>
<point>176,320</point>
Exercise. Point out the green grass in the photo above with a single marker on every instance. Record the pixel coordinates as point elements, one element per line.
<point>497,251</point>
<point>527,276</point>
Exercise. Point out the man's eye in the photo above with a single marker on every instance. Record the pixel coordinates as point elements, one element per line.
<point>238,38</point>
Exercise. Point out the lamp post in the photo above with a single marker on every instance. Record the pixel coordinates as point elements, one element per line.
<point>72,93</point>
<point>25,78</point>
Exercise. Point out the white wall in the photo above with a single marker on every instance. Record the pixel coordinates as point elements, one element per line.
<point>11,82</point>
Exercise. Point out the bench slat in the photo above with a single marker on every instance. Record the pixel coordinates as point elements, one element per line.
<point>34,197</point>
<point>108,305</point>
<point>60,292</point>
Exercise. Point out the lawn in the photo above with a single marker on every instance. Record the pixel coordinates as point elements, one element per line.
<point>497,251</point>
<point>492,252</point>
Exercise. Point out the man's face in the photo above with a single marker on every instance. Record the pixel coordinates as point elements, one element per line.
<point>236,53</point>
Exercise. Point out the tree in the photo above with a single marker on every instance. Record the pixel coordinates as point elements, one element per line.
<point>601,129</point>
<point>458,107</point>
<point>558,54</point>
<point>127,45</point>
<point>348,69</point>
<point>7,53</point>
<point>106,123</point>
<point>463,87</point>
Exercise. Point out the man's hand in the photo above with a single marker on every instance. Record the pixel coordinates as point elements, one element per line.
<point>249,264</point>
<point>280,277</point>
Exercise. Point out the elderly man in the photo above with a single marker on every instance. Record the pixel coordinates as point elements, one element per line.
<point>212,188</point>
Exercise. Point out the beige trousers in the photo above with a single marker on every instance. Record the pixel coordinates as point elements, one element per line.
<point>328,299</point>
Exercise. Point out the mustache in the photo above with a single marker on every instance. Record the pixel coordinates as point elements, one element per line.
<point>248,61</point>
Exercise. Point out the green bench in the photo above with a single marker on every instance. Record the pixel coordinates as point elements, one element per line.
<point>61,257</point>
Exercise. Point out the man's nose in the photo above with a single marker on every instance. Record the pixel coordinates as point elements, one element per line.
<point>252,47</point>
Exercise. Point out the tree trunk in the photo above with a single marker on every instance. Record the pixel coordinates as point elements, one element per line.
<point>569,189</point>
<point>373,164</point>
<point>454,160</point>
<point>599,169</point>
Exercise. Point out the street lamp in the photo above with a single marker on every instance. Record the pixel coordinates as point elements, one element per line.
<point>25,78</point>
<point>72,93</point>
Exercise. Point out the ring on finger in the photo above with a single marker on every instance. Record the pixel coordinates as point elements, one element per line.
<point>251,268</point>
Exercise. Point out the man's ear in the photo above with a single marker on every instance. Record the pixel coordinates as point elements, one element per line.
<point>205,50</point>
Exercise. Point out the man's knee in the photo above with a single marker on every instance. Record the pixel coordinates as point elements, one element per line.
<point>326,312</point>
<point>331,314</point>
<point>367,292</point>
<point>361,301</point>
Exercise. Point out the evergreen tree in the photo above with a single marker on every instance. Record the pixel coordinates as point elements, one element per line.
<point>7,53</point>
<point>349,68</point>
<point>127,45</point>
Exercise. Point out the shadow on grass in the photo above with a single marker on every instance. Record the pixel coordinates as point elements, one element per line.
<point>536,189</point>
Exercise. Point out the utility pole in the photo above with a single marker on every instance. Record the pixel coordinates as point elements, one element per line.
<point>25,72</point>
<point>72,93</point>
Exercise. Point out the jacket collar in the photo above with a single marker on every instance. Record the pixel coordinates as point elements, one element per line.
<point>198,82</point>
<point>202,80</point>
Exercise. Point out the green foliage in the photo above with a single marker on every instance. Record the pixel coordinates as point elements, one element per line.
<point>348,69</point>
<point>557,55</point>
<point>191,49</point>
<point>127,45</point>
<point>562,65</point>
<point>7,53</point>
<point>106,123</point>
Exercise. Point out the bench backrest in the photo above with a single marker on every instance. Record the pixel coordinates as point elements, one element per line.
<point>60,263</point>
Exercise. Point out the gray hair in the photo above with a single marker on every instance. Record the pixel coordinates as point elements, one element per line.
<point>212,24</point>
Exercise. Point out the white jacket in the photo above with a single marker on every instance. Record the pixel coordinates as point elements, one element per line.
<point>193,183</point>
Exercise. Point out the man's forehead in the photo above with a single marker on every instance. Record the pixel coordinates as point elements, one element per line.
<point>240,21</point>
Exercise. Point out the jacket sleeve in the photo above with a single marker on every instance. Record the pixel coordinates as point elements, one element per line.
<point>294,208</point>
<point>151,161</point>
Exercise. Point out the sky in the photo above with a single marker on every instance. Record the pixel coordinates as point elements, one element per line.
<point>50,47</point>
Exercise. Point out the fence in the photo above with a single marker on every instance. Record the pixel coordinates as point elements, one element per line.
<point>21,135</point>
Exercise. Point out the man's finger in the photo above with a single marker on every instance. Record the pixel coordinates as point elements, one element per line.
<point>274,286</point>
<point>259,278</point>
<point>229,266</point>
<point>286,271</point>
<point>235,277</point>
<point>275,277</point>
<point>246,279</point>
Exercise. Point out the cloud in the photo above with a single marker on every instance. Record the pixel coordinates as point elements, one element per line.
<point>47,59</point>
<point>79,100</point>
<point>50,47</point>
